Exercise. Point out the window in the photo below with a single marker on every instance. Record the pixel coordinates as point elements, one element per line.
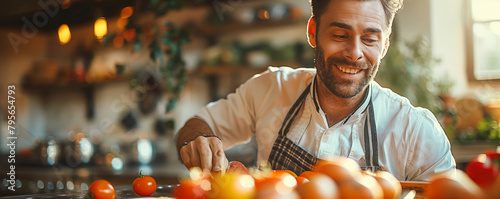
<point>484,39</point>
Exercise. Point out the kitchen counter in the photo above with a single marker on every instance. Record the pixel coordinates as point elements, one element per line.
<point>60,179</point>
<point>166,191</point>
<point>123,191</point>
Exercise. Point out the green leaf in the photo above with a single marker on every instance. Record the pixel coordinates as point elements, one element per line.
<point>137,45</point>
<point>171,104</point>
<point>155,51</point>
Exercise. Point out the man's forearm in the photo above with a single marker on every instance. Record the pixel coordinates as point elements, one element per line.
<point>193,128</point>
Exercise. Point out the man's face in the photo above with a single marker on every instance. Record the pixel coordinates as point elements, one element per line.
<point>351,40</point>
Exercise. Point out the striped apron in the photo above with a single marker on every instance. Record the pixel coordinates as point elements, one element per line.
<point>285,154</point>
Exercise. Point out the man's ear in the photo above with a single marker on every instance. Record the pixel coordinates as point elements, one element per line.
<point>311,32</point>
<point>386,47</point>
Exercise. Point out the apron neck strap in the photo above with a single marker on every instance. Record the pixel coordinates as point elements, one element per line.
<point>370,137</point>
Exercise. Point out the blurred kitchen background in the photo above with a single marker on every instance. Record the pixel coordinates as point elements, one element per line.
<point>103,85</point>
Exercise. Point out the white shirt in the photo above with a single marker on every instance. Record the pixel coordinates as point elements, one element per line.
<point>412,144</point>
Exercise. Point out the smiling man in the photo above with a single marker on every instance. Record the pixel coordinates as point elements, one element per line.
<point>299,116</point>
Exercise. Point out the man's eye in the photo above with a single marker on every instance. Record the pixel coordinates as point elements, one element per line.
<point>340,36</point>
<point>370,40</point>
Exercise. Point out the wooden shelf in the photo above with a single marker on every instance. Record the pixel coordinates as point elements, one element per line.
<point>87,88</point>
<point>235,27</point>
<point>34,87</point>
<point>465,152</point>
<point>225,70</point>
<point>237,69</point>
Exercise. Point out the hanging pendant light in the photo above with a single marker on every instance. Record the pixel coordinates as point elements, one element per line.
<point>100,28</point>
<point>64,34</point>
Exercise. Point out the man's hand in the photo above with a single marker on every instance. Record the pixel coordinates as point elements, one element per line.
<point>204,152</point>
<point>203,149</point>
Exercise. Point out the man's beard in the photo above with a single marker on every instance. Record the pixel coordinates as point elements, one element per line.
<point>342,87</point>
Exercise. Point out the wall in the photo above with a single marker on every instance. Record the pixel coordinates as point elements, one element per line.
<point>413,20</point>
<point>444,22</point>
<point>59,112</point>
<point>448,42</point>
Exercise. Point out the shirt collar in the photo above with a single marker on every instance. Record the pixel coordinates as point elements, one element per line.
<point>359,110</point>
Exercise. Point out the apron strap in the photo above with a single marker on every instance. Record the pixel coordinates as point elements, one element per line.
<point>371,142</point>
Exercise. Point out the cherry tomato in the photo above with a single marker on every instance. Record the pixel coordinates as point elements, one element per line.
<point>484,169</point>
<point>144,185</point>
<point>102,189</point>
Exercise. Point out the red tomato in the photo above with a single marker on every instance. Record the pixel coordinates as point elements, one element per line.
<point>274,177</point>
<point>102,189</point>
<point>484,169</point>
<point>266,181</point>
<point>189,190</point>
<point>144,185</point>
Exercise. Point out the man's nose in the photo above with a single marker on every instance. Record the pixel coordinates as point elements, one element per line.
<point>353,51</point>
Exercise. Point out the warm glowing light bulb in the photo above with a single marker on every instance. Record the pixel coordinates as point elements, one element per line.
<point>100,28</point>
<point>126,12</point>
<point>66,4</point>
<point>263,14</point>
<point>64,34</point>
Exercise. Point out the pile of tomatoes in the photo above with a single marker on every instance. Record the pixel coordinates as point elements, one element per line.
<point>338,177</point>
<point>481,179</point>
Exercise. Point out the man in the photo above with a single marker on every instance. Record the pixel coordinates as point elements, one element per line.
<point>301,115</point>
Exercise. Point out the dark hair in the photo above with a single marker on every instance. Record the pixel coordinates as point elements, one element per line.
<point>318,7</point>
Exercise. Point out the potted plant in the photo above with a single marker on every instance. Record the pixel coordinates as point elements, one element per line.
<point>406,70</point>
